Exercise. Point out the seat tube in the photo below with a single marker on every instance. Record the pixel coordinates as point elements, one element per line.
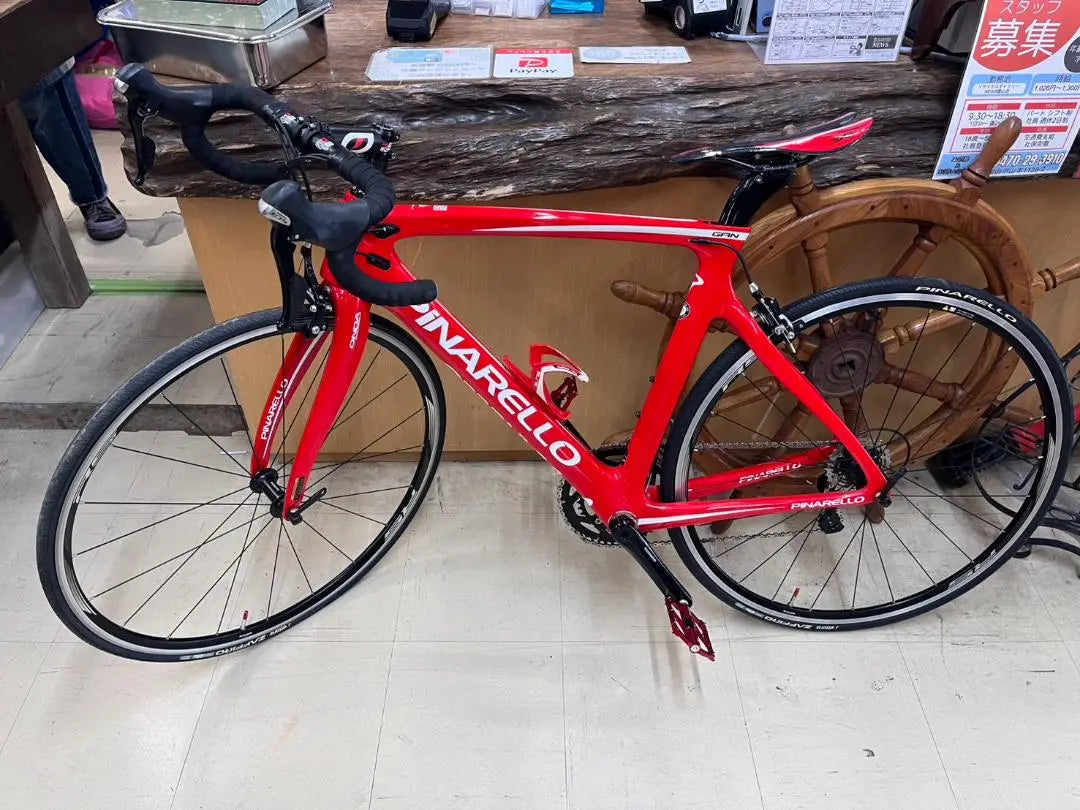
<point>352,322</point>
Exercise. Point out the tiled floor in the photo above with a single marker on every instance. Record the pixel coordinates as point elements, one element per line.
<point>155,247</point>
<point>494,660</point>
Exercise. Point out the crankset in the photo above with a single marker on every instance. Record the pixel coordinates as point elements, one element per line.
<point>577,513</point>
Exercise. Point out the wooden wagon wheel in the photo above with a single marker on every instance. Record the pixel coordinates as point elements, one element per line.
<point>938,213</point>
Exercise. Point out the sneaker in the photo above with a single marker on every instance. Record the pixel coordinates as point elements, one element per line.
<point>104,221</point>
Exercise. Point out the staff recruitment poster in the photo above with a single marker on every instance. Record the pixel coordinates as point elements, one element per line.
<point>1025,62</point>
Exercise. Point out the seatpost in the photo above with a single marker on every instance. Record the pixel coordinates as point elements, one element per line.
<point>755,188</point>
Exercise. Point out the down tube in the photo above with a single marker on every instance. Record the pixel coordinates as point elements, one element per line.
<point>516,404</point>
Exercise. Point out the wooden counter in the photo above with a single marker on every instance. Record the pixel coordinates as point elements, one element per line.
<point>599,141</point>
<point>609,126</point>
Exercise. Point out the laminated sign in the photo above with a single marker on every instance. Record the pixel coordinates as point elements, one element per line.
<point>1025,62</point>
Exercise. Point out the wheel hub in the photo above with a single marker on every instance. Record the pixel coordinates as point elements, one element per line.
<point>846,364</point>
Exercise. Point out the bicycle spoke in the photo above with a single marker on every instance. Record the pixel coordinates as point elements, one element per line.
<point>772,402</point>
<point>351,512</point>
<point>939,529</point>
<point>181,461</point>
<point>273,574</point>
<point>783,579</point>
<point>922,396</point>
<point>356,459</point>
<point>365,492</point>
<point>354,413</point>
<point>179,567</point>
<point>946,499</point>
<point>198,427</point>
<point>163,520</point>
<point>312,380</point>
<point>236,401</point>
<point>808,528</point>
<point>311,526</point>
<point>858,565</point>
<point>220,577</point>
<point>352,458</point>
<point>907,367</point>
<point>166,562</point>
<point>356,388</point>
<point>835,567</point>
<point>297,556</point>
<point>873,534</point>
<point>908,550</point>
<point>239,562</point>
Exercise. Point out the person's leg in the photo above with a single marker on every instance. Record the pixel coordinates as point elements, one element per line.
<point>58,123</point>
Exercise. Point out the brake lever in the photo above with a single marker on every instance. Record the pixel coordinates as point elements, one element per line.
<point>145,148</point>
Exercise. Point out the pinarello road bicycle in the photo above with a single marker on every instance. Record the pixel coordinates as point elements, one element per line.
<point>207,505</point>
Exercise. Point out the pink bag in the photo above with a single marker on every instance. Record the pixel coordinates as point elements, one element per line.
<point>94,73</point>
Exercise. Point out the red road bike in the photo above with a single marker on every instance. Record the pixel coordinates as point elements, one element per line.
<point>151,536</point>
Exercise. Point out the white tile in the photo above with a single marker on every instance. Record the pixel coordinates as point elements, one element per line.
<point>96,729</point>
<point>835,724</point>
<point>1005,607</point>
<point>66,368</point>
<point>289,725</point>
<point>520,487</point>
<point>650,725</point>
<point>482,577</point>
<point>1006,718</point>
<point>368,611</point>
<point>27,461</point>
<point>19,664</point>
<point>1056,578</point>
<point>25,615</point>
<point>606,596</point>
<point>472,726</point>
<point>132,316</point>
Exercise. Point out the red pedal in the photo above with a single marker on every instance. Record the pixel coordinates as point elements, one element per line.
<point>690,629</point>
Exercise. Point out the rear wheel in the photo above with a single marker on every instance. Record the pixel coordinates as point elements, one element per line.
<point>152,543</point>
<point>846,568</point>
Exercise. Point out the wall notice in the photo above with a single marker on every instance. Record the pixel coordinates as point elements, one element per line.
<point>836,31</point>
<point>1025,62</point>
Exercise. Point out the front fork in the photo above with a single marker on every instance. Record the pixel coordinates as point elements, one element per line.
<point>352,322</point>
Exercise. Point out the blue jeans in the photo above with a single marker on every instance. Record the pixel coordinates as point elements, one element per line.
<point>58,123</point>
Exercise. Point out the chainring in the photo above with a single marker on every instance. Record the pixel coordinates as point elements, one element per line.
<point>577,514</point>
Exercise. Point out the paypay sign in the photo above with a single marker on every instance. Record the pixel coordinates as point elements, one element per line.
<point>1025,62</point>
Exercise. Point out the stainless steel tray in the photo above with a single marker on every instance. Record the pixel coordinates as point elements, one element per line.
<point>264,58</point>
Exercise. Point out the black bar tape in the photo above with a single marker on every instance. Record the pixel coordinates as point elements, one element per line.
<point>258,174</point>
<point>366,288</point>
<point>377,188</point>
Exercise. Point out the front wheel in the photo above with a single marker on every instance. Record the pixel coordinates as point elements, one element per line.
<point>154,545</point>
<point>905,362</point>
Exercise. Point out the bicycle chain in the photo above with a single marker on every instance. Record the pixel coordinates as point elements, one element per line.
<point>582,522</point>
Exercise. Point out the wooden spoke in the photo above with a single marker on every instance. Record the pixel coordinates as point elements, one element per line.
<point>851,408</point>
<point>794,421</point>
<point>1012,413</point>
<point>908,379</point>
<point>893,338</point>
<point>817,258</point>
<point>926,241</point>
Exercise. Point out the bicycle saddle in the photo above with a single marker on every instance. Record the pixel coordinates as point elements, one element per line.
<point>831,136</point>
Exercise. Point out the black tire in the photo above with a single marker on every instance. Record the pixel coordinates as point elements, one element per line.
<point>977,307</point>
<point>61,501</point>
